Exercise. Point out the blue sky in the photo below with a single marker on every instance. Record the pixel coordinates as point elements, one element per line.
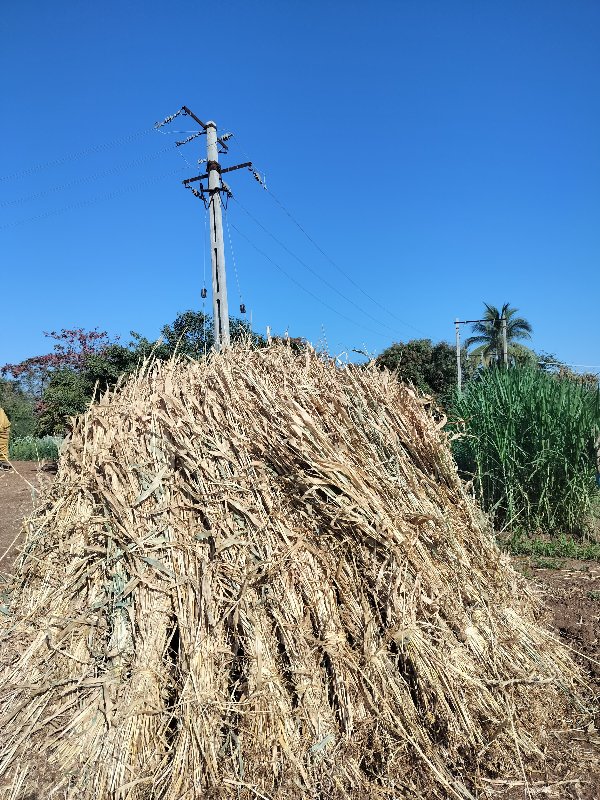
<point>441,154</point>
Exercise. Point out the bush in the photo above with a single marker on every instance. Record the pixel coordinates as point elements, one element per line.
<point>430,367</point>
<point>19,408</point>
<point>529,447</point>
<point>30,448</point>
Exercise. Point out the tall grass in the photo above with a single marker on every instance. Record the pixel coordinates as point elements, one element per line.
<point>30,448</point>
<point>529,447</point>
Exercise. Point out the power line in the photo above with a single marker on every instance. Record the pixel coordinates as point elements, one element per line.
<point>339,269</point>
<point>237,278</point>
<point>301,286</point>
<point>331,261</point>
<point>92,200</point>
<point>312,270</point>
<point>565,364</point>
<point>76,155</point>
<point>85,179</point>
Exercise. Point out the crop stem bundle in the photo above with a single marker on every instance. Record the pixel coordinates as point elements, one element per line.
<point>258,576</point>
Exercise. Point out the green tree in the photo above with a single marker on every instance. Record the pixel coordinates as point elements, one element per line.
<point>70,388</point>
<point>67,394</point>
<point>430,367</point>
<point>487,333</point>
<point>191,334</point>
<point>19,407</point>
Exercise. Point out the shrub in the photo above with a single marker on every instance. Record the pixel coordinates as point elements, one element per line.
<point>19,408</point>
<point>30,448</point>
<point>529,447</point>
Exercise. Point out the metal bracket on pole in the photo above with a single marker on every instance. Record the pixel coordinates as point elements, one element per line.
<point>222,172</point>
<point>204,125</point>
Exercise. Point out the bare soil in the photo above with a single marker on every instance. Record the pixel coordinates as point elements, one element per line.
<point>570,593</point>
<point>19,491</point>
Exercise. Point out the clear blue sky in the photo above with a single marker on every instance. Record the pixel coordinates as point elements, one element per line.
<point>442,154</point>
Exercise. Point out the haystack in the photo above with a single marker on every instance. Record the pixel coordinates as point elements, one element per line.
<point>259,576</point>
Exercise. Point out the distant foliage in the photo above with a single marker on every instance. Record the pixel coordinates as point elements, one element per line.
<point>19,407</point>
<point>430,367</point>
<point>191,334</point>
<point>529,446</point>
<point>487,333</point>
<point>62,383</point>
<point>31,448</point>
<point>70,350</point>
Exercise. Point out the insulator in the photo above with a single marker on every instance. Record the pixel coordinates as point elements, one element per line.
<point>189,138</point>
<point>226,136</point>
<point>203,293</point>
<point>242,308</point>
<point>169,119</point>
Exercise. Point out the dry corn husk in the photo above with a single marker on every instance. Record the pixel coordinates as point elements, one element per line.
<point>258,576</point>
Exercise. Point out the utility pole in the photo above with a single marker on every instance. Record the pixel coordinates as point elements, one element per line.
<point>217,248</point>
<point>504,342</point>
<point>216,187</point>
<point>458,369</point>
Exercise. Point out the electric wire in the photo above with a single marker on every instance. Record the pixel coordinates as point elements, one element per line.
<point>76,155</point>
<point>339,269</point>
<point>311,269</point>
<point>203,293</point>
<point>325,255</point>
<point>237,279</point>
<point>178,149</point>
<point>86,179</point>
<point>204,248</point>
<point>91,200</point>
<point>166,133</point>
<point>565,364</point>
<point>290,277</point>
<point>314,271</point>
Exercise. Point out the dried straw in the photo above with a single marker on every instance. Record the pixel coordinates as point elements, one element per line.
<point>258,576</point>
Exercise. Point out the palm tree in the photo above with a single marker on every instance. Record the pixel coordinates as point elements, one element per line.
<point>488,334</point>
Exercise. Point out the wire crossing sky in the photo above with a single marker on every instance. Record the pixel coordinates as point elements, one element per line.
<point>418,159</point>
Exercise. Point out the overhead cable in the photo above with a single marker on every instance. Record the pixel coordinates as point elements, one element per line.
<point>339,269</point>
<point>86,179</point>
<point>301,286</point>
<point>325,255</point>
<point>76,155</point>
<point>92,200</point>
<point>312,270</point>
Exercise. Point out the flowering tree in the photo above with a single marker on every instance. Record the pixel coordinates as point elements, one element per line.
<point>70,350</point>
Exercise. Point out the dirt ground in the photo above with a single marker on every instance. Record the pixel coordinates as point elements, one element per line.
<point>569,590</point>
<point>19,490</point>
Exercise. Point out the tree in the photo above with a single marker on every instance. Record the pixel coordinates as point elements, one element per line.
<point>431,368</point>
<point>84,363</point>
<point>191,334</point>
<point>70,350</point>
<point>488,335</point>
<point>70,390</point>
<point>19,407</point>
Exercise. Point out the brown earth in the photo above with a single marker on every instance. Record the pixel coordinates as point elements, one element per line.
<point>569,591</point>
<point>19,490</point>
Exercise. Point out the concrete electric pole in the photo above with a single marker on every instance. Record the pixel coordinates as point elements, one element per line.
<point>217,248</point>
<point>212,198</point>
<point>458,367</point>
